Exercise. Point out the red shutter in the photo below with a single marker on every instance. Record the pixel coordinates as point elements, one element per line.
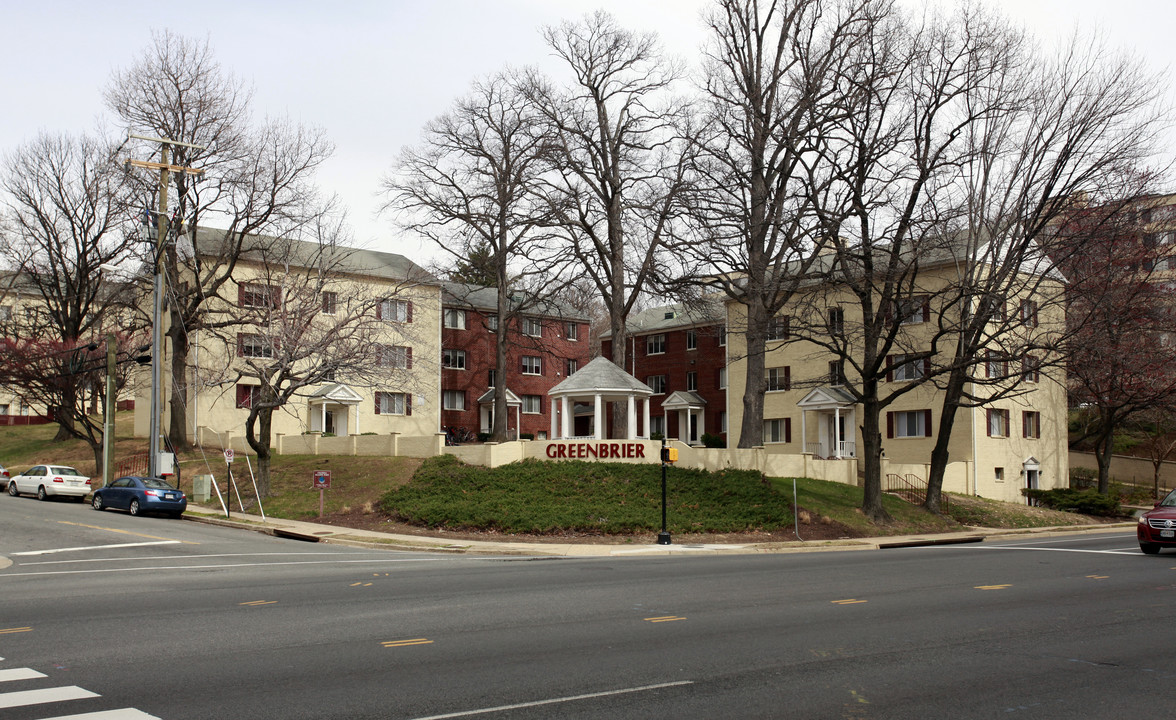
<point>927,423</point>
<point>1024,424</point>
<point>240,344</point>
<point>380,310</point>
<point>890,425</point>
<point>409,312</point>
<point>926,367</point>
<point>926,310</point>
<point>889,368</point>
<point>408,403</point>
<point>787,430</point>
<point>988,422</point>
<point>378,394</point>
<point>408,355</point>
<point>787,377</point>
<point>241,295</point>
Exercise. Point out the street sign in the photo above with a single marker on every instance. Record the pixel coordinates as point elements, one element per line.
<point>322,479</point>
<point>228,455</point>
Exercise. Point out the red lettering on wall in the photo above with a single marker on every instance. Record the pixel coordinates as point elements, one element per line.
<point>552,450</point>
<point>640,449</point>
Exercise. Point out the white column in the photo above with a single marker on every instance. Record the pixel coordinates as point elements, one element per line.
<point>554,416</point>
<point>632,432</point>
<point>803,432</point>
<point>599,418</point>
<point>566,417</point>
<point>323,418</point>
<point>356,420</point>
<point>837,433</point>
<point>701,423</point>
<point>646,417</point>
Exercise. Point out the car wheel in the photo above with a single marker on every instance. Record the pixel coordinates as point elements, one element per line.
<point>41,494</point>
<point>12,489</point>
<point>96,503</point>
<point>1149,549</point>
<point>134,508</point>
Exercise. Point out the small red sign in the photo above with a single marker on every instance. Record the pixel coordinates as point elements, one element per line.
<point>322,479</point>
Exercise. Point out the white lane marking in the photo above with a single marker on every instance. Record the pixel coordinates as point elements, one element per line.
<point>120,714</point>
<point>220,567</point>
<point>19,674</point>
<point>1058,541</point>
<point>552,701</point>
<point>44,695</point>
<point>676,549</point>
<point>94,547</point>
<point>1052,549</point>
<point>190,557</point>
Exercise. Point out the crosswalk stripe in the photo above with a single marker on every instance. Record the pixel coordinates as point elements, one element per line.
<point>19,674</point>
<point>120,714</point>
<point>44,695</point>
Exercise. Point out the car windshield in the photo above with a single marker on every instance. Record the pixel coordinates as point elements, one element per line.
<point>156,483</point>
<point>62,470</point>
<point>1169,501</point>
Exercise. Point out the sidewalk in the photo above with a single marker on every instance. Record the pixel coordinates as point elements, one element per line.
<point>313,532</point>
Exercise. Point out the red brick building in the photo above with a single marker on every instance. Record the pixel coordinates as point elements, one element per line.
<point>681,354</point>
<point>545,343</point>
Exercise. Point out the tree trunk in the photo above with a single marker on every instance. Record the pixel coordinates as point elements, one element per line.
<point>501,409</point>
<point>620,412</point>
<point>1102,451</point>
<point>257,434</point>
<point>939,454</point>
<point>751,428</point>
<point>66,429</point>
<point>872,456</point>
<point>179,400</point>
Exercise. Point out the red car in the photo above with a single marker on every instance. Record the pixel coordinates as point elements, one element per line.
<point>1157,527</point>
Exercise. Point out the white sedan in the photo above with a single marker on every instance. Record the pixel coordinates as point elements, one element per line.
<point>49,480</point>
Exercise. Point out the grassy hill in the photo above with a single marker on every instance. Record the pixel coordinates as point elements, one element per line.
<point>537,499</point>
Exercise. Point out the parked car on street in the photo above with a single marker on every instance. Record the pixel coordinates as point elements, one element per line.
<point>139,495</point>
<point>1157,527</point>
<point>46,481</point>
<point>3,478</point>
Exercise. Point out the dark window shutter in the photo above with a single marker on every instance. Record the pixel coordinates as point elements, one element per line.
<point>241,295</point>
<point>408,403</point>
<point>926,423</point>
<point>988,422</point>
<point>1024,424</point>
<point>378,394</point>
<point>889,368</point>
<point>380,310</point>
<point>787,377</point>
<point>926,310</point>
<point>787,430</point>
<point>890,425</point>
<point>926,366</point>
<point>408,360</point>
<point>240,344</point>
<point>409,314</point>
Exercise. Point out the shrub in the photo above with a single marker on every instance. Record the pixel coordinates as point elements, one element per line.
<point>656,436</point>
<point>713,441</point>
<point>1086,502</point>
<point>1083,478</point>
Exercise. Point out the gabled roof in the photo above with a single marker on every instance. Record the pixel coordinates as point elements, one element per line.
<point>338,393</point>
<point>601,376</point>
<point>683,400</point>
<point>827,397</point>
<point>707,311</point>
<point>488,397</point>
<point>478,297</point>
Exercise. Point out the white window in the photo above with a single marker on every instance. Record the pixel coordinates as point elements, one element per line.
<point>330,300</point>
<point>657,425</point>
<point>657,383</point>
<point>836,372</point>
<point>256,295</point>
<point>911,423</point>
<point>1028,313</point>
<point>997,365</point>
<point>491,378</point>
<point>692,381</point>
<point>532,365</point>
<point>395,356</point>
<point>779,328</point>
<point>453,359</point>
<point>1031,367</point>
<point>393,310</point>
<point>532,327</point>
<point>998,423</point>
<point>455,319</point>
<point>907,367</point>
<point>777,430</point>
<point>998,474</point>
<point>722,421</point>
<point>389,403</point>
<point>914,310</point>
<point>722,335</point>
<point>691,340</point>
<point>573,366</point>
<point>1031,424</point>
<point>723,378</point>
<point>532,404</point>
<point>256,346</point>
<point>492,323</point>
<point>778,378</point>
<point>453,400</point>
<point>573,331</point>
<point>836,321</point>
<point>655,344</point>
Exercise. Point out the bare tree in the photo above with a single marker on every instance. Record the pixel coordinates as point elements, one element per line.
<point>257,180</point>
<point>474,188</point>
<point>66,217</point>
<point>620,167</point>
<point>770,95</point>
<point>1158,427</point>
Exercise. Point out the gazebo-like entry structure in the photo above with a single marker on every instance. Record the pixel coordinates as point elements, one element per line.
<point>330,407</point>
<point>598,383</point>
<point>836,411</point>
<point>688,405</point>
<point>486,411</point>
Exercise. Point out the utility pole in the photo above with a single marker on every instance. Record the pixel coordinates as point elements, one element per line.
<point>165,169</point>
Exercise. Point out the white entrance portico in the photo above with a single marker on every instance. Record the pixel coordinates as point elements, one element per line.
<point>836,414</point>
<point>486,412</point>
<point>330,408</point>
<point>691,411</point>
<point>598,383</point>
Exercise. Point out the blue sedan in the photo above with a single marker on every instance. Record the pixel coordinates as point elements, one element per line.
<point>141,495</point>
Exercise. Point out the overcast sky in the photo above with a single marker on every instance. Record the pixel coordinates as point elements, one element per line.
<point>372,73</point>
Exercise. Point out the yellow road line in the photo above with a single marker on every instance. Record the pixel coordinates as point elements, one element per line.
<point>664,618</point>
<point>255,603</point>
<point>9,631</point>
<point>1098,577</point>
<point>123,532</point>
<point>850,601</point>
<point>405,643</point>
<point>992,587</point>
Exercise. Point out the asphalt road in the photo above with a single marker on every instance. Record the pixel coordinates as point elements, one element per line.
<point>150,617</point>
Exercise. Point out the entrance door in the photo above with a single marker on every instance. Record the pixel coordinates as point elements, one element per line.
<point>330,428</point>
<point>834,429</point>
